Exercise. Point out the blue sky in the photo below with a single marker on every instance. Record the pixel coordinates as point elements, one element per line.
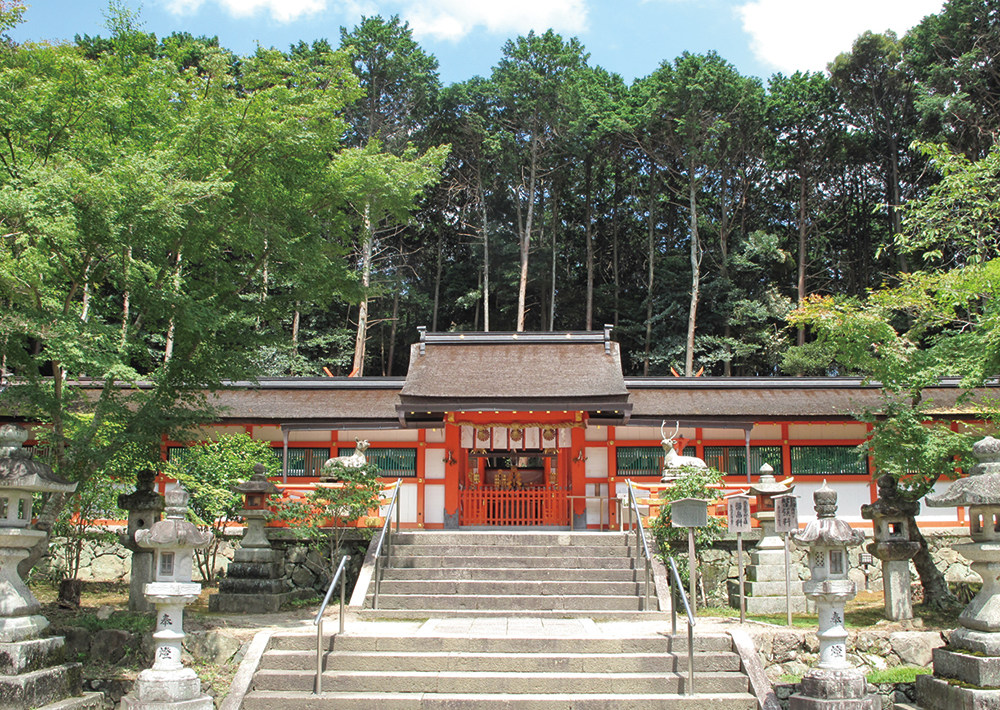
<point>629,37</point>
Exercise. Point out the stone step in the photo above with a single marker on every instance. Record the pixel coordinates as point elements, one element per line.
<point>498,551</point>
<point>306,700</point>
<point>505,538</point>
<point>513,602</point>
<point>653,614</point>
<point>348,642</point>
<point>516,562</point>
<point>518,683</point>
<point>498,585</point>
<point>375,662</point>
<point>538,574</point>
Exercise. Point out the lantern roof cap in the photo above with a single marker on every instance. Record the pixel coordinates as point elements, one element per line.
<point>174,532</point>
<point>19,470</point>
<point>981,487</point>
<point>767,484</point>
<point>827,529</point>
<point>257,483</point>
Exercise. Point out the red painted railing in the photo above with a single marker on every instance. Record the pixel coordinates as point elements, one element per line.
<point>527,506</point>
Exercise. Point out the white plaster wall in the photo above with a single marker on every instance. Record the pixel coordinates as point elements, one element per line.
<point>379,435</point>
<point>434,436</point>
<point>597,461</point>
<point>596,433</point>
<point>433,504</point>
<point>433,463</point>
<point>597,510</point>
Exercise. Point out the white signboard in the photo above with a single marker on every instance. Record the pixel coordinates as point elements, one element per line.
<point>786,513</point>
<point>738,509</point>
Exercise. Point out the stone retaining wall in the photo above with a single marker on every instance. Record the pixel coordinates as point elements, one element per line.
<point>719,563</point>
<point>792,652</point>
<point>307,566</point>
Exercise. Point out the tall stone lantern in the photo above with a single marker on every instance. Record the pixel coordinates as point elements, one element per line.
<point>890,515</point>
<point>765,575</point>
<point>834,679</point>
<point>254,582</point>
<point>144,507</point>
<point>972,656</point>
<point>168,684</point>
<point>32,672</point>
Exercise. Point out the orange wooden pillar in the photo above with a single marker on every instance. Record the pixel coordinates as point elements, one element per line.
<point>578,476</point>
<point>452,475</point>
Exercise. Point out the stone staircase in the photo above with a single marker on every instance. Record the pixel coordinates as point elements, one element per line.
<point>440,573</point>
<point>519,670</point>
<point>511,621</point>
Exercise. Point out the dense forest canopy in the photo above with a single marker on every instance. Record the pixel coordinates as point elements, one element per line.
<point>280,213</point>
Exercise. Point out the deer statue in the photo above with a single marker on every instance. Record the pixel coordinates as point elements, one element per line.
<point>355,460</point>
<point>671,459</point>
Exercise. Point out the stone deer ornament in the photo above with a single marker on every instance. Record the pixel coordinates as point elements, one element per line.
<point>671,458</point>
<point>355,460</point>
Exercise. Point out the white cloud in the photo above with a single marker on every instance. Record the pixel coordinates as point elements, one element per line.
<point>792,35</point>
<point>280,10</point>
<point>453,19</point>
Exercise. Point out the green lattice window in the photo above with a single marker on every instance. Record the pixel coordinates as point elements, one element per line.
<point>639,460</point>
<point>304,461</point>
<point>391,462</point>
<point>827,461</point>
<point>732,460</point>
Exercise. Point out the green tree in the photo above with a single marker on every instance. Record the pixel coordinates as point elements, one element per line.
<point>145,209</point>
<point>326,513</point>
<point>532,83</point>
<point>943,321</point>
<point>210,471</point>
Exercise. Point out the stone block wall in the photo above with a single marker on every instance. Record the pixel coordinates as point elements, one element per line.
<point>307,566</point>
<point>719,563</point>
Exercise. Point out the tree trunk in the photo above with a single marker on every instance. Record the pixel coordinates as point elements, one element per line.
<point>801,284</point>
<point>392,331</point>
<point>695,276</point>
<point>589,234</point>
<point>486,259</point>
<point>651,237</point>
<point>171,328</point>
<point>437,284</point>
<point>614,244</point>
<point>126,290</point>
<point>358,366</point>
<point>936,592</point>
<point>522,288</point>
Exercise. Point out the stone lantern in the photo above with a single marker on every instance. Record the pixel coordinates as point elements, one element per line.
<point>834,682</point>
<point>765,575</point>
<point>32,672</point>
<point>168,684</point>
<point>972,656</point>
<point>144,508</point>
<point>254,582</point>
<point>890,515</point>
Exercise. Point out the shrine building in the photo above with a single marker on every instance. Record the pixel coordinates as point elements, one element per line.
<point>542,429</point>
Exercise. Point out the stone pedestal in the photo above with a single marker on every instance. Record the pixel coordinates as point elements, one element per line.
<point>765,576</point>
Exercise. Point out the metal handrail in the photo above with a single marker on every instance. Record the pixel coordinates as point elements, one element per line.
<point>640,537</point>
<point>678,585</point>
<point>385,538</point>
<point>342,578</point>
